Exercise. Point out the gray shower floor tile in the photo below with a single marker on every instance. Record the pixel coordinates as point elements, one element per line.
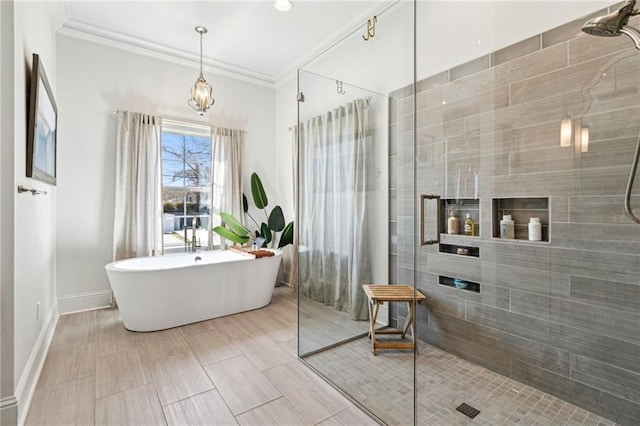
<point>384,385</point>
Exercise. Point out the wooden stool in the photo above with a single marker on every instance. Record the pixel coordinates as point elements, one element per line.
<point>377,295</point>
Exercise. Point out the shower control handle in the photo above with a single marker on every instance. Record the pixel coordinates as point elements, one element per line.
<point>423,199</point>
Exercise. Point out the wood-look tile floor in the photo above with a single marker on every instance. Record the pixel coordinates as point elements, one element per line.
<point>237,370</point>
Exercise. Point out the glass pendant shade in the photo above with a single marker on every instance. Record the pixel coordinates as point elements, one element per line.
<point>201,96</point>
<point>201,92</point>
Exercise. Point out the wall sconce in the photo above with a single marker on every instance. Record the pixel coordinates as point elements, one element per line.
<point>584,139</point>
<point>565,132</point>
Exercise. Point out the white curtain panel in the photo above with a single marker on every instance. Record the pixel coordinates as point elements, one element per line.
<point>138,211</point>
<point>226,182</point>
<point>290,258</point>
<point>333,253</point>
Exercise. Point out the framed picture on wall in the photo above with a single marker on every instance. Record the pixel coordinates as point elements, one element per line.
<point>42,127</point>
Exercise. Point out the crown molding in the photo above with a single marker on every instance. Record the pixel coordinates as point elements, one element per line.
<point>79,30</point>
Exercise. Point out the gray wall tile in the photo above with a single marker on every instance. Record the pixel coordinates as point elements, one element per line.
<point>584,48</point>
<point>433,81</point>
<point>494,358</point>
<point>606,377</point>
<point>611,322</point>
<point>529,351</point>
<point>574,340</point>
<point>612,407</point>
<point>470,67</point>
<point>606,209</point>
<point>516,50</point>
<point>572,302</point>
<point>565,80</point>
<point>567,31</point>
<point>610,294</point>
<point>393,139</point>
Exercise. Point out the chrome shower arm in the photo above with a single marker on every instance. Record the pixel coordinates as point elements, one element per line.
<point>633,34</point>
<point>632,176</point>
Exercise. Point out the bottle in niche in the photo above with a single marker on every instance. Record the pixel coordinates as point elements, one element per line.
<point>507,229</point>
<point>452,224</point>
<point>469,226</point>
<point>535,229</point>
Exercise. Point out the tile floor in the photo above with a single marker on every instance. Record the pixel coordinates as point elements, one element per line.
<point>241,369</point>
<point>384,385</point>
<point>322,326</point>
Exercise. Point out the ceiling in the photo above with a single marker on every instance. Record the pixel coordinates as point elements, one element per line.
<point>246,39</point>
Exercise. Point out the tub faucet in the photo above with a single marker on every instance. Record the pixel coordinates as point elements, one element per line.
<point>193,233</point>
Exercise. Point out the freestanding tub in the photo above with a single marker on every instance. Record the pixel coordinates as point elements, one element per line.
<point>155,293</point>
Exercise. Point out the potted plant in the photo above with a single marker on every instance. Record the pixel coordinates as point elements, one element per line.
<point>233,230</point>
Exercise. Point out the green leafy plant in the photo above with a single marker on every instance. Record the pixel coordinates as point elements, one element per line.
<point>234,230</point>
<point>275,222</point>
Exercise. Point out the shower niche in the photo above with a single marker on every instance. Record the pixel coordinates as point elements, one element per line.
<point>521,211</point>
<point>461,207</point>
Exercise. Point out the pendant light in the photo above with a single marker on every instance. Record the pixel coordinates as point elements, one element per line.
<point>201,92</point>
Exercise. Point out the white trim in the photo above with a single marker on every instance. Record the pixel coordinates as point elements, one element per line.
<point>85,32</point>
<point>84,301</point>
<point>9,410</point>
<point>8,401</point>
<point>31,373</point>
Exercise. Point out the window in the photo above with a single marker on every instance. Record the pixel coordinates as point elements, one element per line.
<point>186,188</point>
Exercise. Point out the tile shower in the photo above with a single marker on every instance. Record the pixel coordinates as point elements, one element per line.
<point>561,315</point>
<point>540,331</point>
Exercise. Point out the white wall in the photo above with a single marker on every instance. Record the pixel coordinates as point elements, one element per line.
<point>33,217</point>
<point>94,79</point>
<point>286,117</point>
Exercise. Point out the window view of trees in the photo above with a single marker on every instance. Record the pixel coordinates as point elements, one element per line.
<point>186,180</point>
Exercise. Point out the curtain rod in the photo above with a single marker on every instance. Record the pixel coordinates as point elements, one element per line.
<point>367,98</point>
<point>179,120</point>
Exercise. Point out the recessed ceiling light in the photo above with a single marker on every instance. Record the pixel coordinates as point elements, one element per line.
<point>282,5</point>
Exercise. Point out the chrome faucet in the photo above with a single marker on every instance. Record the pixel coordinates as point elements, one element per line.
<point>194,225</point>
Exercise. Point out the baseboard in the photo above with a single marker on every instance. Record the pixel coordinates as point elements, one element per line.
<point>9,411</point>
<point>84,301</point>
<point>31,373</point>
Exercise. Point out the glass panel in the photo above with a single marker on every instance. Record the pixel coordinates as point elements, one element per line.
<point>186,160</point>
<point>525,134</point>
<point>529,127</point>
<point>182,210</point>
<point>348,232</point>
<point>186,176</point>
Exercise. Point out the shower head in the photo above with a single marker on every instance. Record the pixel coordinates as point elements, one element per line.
<point>614,24</point>
<point>611,24</point>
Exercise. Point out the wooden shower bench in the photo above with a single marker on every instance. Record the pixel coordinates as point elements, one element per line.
<point>377,295</point>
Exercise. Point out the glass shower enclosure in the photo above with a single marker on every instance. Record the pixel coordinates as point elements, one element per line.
<point>479,152</point>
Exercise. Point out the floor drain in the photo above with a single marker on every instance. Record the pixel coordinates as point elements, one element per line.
<point>468,410</point>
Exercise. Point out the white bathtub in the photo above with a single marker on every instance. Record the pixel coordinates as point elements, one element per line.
<point>155,293</point>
